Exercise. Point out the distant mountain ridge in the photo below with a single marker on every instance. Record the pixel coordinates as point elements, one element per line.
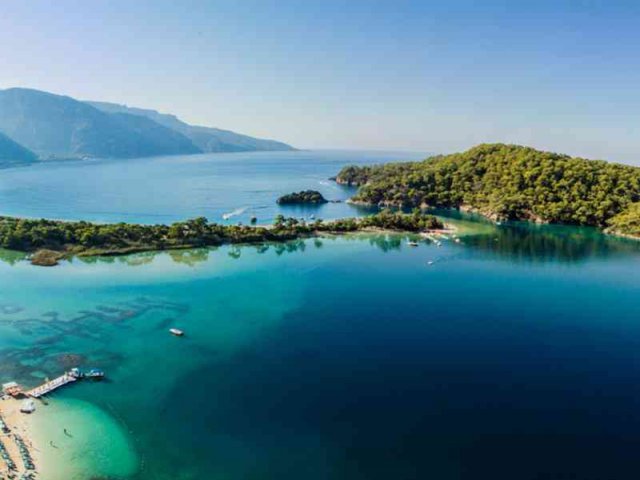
<point>12,153</point>
<point>207,139</point>
<point>60,127</point>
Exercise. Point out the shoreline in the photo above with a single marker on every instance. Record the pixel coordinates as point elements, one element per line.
<point>47,242</point>
<point>67,439</point>
<point>20,426</point>
<point>497,220</point>
<point>449,229</point>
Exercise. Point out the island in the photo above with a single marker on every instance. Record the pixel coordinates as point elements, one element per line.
<point>306,197</point>
<point>508,182</point>
<point>48,241</point>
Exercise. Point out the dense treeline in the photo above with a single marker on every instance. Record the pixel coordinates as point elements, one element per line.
<point>504,182</point>
<point>88,238</point>
<point>386,220</point>
<point>626,222</point>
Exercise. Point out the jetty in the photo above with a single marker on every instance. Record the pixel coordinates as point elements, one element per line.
<point>73,375</point>
<point>52,385</point>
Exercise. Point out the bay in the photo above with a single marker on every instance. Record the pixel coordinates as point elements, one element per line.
<point>170,189</point>
<point>515,354</point>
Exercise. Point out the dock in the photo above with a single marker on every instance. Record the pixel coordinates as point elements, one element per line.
<point>52,385</point>
<point>73,375</point>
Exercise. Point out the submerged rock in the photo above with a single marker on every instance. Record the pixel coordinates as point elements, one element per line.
<point>46,258</point>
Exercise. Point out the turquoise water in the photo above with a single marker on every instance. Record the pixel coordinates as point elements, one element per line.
<point>516,354</point>
<point>169,189</point>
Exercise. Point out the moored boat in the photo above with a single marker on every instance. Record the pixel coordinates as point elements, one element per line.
<point>95,374</point>
<point>176,331</point>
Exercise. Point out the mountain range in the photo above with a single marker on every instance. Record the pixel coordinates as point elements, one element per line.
<point>36,125</point>
<point>12,153</point>
<point>206,139</point>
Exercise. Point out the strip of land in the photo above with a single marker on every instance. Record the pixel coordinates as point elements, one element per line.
<point>49,241</point>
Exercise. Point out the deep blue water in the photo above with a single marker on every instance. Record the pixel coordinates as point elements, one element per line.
<point>169,189</point>
<point>516,355</point>
<point>483,368</point>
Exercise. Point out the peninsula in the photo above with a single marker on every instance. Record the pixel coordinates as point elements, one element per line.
<point>509,182</point>
<point>49,241</point>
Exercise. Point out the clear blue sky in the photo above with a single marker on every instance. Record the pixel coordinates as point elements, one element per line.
<point>411,75</point>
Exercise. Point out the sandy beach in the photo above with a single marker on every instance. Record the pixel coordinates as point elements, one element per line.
<point>19,426</point>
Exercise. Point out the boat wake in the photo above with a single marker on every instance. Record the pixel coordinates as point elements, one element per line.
<point>327,183</point>
<point>235,213</point>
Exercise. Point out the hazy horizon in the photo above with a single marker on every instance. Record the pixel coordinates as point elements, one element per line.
<point>394,76</point>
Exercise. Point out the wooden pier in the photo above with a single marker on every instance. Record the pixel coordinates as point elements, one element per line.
<point>52,385</point>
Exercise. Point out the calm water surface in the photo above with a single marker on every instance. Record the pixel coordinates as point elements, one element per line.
<point>169,189</point>
<point>516,355</point>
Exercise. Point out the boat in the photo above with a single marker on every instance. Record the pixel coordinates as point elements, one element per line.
<point>95,374</point>
<point>176,331</point>
<point>412,244</point>
<point>430,262</point>
<point>28,406</point>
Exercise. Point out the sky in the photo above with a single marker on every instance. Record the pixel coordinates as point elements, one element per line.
<point>376,75</point>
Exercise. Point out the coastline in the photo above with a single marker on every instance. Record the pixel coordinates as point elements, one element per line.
<point>47,242</point>
<point>67,440</point>
<point>25,426</point>
<point>496,219</point>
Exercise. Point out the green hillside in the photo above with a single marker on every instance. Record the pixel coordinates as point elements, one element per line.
<point>504,182</point>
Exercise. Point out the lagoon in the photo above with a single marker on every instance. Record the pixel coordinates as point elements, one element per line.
<point>515,355</point>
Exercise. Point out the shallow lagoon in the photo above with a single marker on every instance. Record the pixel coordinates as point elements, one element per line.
<point>514,355</point>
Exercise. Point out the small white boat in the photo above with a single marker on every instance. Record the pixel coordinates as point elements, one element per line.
<point>28,406</point>
<point>412,244</point>
<point>176,331</point>
<point>430,262</point>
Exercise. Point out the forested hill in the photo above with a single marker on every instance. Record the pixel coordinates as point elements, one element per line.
<point>505,182</point>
